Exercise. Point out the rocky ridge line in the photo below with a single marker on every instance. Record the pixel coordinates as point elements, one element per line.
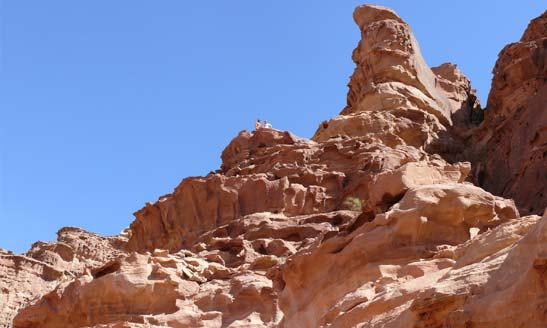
<point>511,145</point>
<point>364,225</point>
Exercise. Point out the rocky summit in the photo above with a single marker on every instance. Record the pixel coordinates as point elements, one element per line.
<point>414,207</point>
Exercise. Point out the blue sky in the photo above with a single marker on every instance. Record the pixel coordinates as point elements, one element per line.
<point>106,105</point>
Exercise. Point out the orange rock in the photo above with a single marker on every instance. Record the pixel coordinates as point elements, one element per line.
<point>372,223</point>
<point>512,144</point>
<point>46,265</point>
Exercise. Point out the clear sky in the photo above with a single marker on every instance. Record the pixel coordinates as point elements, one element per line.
<point>106,105</point>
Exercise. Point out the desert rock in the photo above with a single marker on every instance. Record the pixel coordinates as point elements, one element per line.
<point>27,276</point>
<point>373,222</point>
<point>511,147</point>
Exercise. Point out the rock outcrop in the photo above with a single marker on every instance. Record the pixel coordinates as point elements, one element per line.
<point>466,109</point>
<point>385,264</point>
<point>512,144</point>
<point>273,171</point>
<point>394,97</point>
<point>371,223</point>
<point>391,72</point>
<point>27,276</point>
<point>21,280</point>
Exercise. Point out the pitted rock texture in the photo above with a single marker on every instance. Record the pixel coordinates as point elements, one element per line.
<point>228,279</point>
<point>462,97</point>
<point>391,72</point>
<point>512,145</point>
<point>372,276</point>
<point>395,98</point>
<point>46,265</point>
<point>21,280</point>
<point>364,225</point>
<point>76,250</point>
<point>272,171</point>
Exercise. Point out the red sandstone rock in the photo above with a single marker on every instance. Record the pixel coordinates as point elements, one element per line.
<point>462,97</point>
<point>512,145</point>
<point>77,250</point>
<point>46,265</point>
<point>21,280</point>
<point>266,171</point>
<point>362,226</point>
<point>391,72</point>
<point>394,249</point>
<point>394,98</point>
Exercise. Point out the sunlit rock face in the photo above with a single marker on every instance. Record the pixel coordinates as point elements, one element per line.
<point>512,144</point>
<point>391,72</point>
<point>370,223</point>
<point>24,277</point>
<point>395,98</point>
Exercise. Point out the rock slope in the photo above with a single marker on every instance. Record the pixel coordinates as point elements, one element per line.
<point>27,276</point>
<point>513,141</point>
<point>371,223</point>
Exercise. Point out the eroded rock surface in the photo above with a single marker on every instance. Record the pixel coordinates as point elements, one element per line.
<point>512,145</point>
<point>395,98</point>
<point>391,72</point>
<point>267,172</point>
<point>21,280</point>
<point>364,225</point>
<point>27,276</point>
<point>384,264</point>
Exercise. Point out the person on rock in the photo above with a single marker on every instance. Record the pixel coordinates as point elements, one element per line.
<point>267,125</point>
<point>258,125</point>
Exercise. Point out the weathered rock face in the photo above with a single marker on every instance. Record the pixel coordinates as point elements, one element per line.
<point>394,97</point>
<point>463,99</point>
<point>46,265</point>
<point>76,250</point>
<point>228,279</point>
<point>21,280</point>
<point>513,142</point>
<point>362,226</point>
<point>272,171</point>
<point>411,241</point>
<point>391,72</point>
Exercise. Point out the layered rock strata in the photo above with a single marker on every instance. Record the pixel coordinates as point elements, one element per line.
<point>364,225</point>
<point>27,276</point>
<point>512,145</point>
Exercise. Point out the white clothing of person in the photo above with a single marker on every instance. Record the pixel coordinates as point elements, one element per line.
<point>267,125</point>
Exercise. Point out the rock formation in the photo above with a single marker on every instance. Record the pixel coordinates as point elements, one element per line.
<point>46,265</point>
<point>513,141</point>
<point>371,223</point>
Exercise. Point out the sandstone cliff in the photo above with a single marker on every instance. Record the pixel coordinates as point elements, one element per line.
<point>371,223</point>
<point>46,265</point>
<point>513,141</point>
